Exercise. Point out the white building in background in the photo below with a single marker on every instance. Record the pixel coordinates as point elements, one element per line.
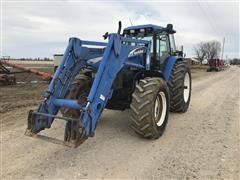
<point>57,58</point>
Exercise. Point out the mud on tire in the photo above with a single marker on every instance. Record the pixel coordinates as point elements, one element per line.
<point>145,121</point>
<point>179,98</point>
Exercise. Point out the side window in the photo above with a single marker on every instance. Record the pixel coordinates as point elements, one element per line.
<point>172,43</point>
<point>162,48</point>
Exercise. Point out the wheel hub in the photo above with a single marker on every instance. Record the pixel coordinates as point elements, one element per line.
<point>186,90</point>
<point>160,108</point>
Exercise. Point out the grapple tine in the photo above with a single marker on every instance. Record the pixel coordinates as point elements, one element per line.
<point>72,139</point>
<point>30,131</point>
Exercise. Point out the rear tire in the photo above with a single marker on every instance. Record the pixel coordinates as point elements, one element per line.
<point>150,107</point>
<point>180,85</point>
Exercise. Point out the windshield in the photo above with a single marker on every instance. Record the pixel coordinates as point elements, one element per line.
<point>142,36</point>
<point>147,38</point>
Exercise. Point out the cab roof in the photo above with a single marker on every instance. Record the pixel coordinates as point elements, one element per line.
<point>152,26</point>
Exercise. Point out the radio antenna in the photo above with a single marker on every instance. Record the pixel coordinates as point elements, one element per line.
<point>130,21</point>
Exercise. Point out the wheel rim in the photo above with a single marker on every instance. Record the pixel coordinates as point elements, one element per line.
<point>160,108</point>
<point>186,90</point>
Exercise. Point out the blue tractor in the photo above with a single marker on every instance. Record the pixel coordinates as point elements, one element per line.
<point>139,69</point>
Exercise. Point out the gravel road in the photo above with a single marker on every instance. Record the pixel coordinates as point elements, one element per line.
<point>202,143</point>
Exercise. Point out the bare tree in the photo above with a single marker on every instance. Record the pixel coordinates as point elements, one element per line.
<point>213,49</point>
<point>207,50</point>
<point>200,51</point>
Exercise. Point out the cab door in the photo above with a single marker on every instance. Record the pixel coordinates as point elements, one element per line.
<point>163,50</point>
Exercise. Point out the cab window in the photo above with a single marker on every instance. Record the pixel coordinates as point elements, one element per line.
<point>172,43</point>
<point>163,50</point>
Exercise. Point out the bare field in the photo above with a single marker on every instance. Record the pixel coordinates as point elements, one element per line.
<point>202,143</point>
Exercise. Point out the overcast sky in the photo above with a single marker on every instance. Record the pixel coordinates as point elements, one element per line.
<point>41,29</point>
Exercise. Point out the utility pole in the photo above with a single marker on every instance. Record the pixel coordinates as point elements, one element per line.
<point>223,47</point>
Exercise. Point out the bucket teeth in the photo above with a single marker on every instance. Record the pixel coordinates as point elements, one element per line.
<point>74,133</point>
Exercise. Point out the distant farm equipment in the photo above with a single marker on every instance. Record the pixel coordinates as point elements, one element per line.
<point>215,65</point>
<point>7,77</point>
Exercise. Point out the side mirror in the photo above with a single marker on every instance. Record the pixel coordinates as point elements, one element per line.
<point>169,29</point>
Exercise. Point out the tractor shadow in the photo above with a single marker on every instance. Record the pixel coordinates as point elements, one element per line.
<point>113,121</point>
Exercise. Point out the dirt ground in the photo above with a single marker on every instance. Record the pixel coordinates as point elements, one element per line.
<point>202,143</point>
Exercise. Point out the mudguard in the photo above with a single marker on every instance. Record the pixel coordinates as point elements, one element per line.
<point>170,61</point>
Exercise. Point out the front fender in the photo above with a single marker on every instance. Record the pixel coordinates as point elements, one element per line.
<point>169,64</point>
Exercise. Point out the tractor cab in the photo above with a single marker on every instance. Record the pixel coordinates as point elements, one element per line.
<point>162,41</point>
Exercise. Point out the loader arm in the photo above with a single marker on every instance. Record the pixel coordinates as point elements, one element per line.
<point>114,56</point>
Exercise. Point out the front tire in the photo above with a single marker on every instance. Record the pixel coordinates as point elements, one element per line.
<point>150,107</point>
<point>79,91</point>
<point>180,86</point>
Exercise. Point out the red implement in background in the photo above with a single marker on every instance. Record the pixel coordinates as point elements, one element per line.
<point>43,75</point>
<point>215,65</point>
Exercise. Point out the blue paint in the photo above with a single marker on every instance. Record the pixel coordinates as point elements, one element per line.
<point>67,103</point>
<point>169,63</point>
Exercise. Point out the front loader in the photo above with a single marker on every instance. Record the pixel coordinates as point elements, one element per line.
<point>138,69</point>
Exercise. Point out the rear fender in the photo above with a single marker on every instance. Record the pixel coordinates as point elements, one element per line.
<point>167,70</point>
